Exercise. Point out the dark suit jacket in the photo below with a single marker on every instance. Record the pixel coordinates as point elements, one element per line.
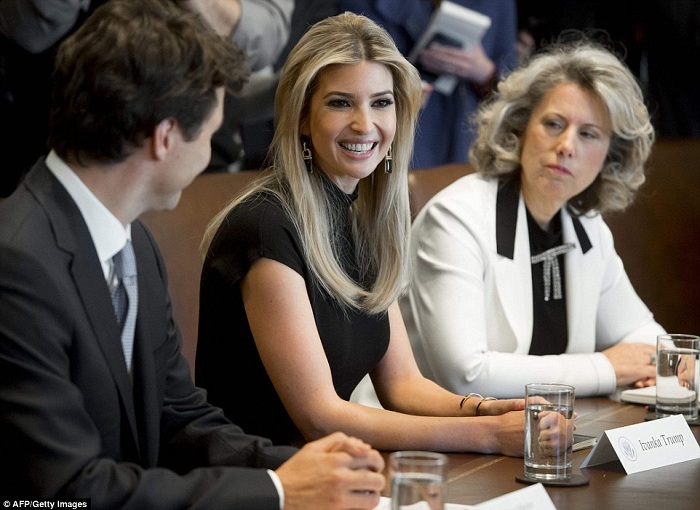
<point>70,424</point>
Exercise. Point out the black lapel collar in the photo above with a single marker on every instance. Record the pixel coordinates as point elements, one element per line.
<point>583,239</point>
<point>151,330</point>
<point>507,203</point>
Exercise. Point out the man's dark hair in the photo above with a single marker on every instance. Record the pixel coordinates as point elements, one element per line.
<point>130,66</point>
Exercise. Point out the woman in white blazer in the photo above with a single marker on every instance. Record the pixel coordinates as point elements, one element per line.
<point>516,278</point>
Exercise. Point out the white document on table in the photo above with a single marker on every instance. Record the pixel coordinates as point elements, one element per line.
<point>644,396</point>
<point>532,497</point>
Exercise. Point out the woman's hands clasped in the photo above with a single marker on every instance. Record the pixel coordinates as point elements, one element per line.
<point>632,363</point>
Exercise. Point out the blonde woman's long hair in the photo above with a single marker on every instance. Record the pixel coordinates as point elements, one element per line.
<point>380,215</point>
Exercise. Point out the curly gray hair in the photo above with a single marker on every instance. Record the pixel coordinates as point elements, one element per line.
<point>502,119</point>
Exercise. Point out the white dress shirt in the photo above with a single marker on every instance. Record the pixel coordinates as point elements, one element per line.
<point>107,232</point>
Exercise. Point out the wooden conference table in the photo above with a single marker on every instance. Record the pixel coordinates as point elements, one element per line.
<point>475,478</point>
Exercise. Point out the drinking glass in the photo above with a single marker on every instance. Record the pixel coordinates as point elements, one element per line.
<point>417,478</point>
<point>677,375</point>
<point>546,461</point>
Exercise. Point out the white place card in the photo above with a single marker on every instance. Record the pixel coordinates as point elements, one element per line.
<point>646,445</point>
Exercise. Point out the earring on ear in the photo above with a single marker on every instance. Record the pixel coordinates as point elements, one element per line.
<point>387,161</point>
<point>308,157</point>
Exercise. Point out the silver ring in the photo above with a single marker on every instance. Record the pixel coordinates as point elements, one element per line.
<point>652,359</point>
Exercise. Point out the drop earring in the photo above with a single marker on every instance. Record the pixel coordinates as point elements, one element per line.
<point>308,157</point>
<point>387,161</point>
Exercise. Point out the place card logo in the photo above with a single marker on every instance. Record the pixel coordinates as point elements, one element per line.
<point>627,448</point>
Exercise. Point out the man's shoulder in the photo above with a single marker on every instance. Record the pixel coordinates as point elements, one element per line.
<point>22,217</point>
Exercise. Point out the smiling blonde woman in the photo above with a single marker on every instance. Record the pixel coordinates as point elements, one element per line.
<point>302,274</point>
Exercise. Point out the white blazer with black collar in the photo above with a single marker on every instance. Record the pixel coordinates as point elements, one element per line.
<point>469,308</point>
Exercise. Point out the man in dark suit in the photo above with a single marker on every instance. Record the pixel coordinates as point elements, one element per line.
<point>138,92</point>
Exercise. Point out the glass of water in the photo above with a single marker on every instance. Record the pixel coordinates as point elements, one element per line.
<point>677,375</point>
<point>418,478</point>
<point>548,458</point>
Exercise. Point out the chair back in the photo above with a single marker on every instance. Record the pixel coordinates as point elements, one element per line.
<point>423,184</point>
<point>179,233</point>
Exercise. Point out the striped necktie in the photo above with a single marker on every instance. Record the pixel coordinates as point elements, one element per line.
<point>125,298</point>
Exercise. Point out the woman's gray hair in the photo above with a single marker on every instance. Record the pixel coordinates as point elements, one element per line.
<point>502,119</point>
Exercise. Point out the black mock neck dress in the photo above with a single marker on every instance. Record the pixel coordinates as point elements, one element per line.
<point>228,365</point>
